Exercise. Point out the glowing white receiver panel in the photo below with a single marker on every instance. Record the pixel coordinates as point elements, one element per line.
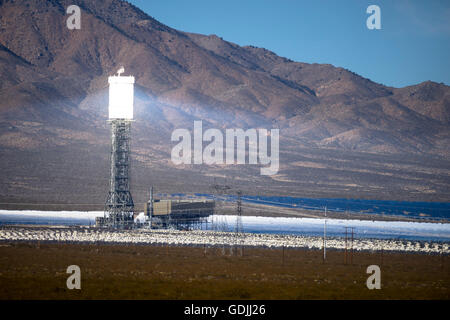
<point>121,97</point>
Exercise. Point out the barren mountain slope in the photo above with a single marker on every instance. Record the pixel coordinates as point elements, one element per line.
<point>54,137</point>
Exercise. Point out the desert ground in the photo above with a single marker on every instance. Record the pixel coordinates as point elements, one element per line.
<point>37,270</point>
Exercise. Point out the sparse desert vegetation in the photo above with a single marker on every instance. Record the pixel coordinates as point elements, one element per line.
<point>38,271</point>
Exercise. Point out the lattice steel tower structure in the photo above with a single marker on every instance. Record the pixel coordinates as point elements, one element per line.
<point>119,206</point>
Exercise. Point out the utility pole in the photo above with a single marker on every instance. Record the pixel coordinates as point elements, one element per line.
<point>325,236</point>
<point>150,208</point>
<point>346,237</point>
<point>346,244</point>
<point>238,230</point>
<point>351,256</point>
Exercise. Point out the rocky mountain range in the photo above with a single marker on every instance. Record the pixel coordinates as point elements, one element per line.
<point>341,135</point>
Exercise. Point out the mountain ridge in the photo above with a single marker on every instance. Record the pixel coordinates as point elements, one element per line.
<point>53,94</point>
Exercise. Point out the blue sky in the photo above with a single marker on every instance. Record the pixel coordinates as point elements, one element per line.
<point>412,46</point>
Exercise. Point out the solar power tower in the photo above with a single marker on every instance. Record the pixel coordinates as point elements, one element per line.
<point>119,206</point>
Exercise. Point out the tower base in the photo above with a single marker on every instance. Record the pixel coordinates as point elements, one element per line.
<point>119,205</point>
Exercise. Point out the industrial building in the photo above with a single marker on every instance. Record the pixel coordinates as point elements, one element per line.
<point>179,214</point>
